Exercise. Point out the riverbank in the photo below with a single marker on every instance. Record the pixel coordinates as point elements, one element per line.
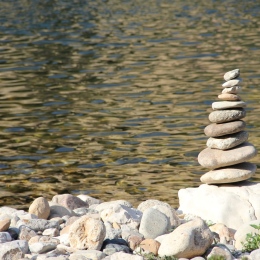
<point>82,227</point>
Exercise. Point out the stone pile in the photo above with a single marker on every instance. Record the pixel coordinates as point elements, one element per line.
<point>227,149</point>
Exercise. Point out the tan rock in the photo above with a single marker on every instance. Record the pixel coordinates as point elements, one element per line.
<point>40,207</point>
<point>187,240</point>
<point>4,224</point>
<point>229,174</point>
<point>213,158</point>
<point>87,233</point>
<point>229,97</point>
<point>231,83</point>
<point>65,230</point>
<point>150,245</point>
<point>215,130</point>
<point>134,241</point>
<point>223,231</point>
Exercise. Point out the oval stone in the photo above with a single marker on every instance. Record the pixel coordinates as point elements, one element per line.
<point>222,116</point>
<point>232,90</point>
<point>231,83</point>
<point>231,74</point>
<point>215,130</point>
<point>214,158</point>
<point>229,97</point>
<point>234,173</point>
<point>228,104</point>
<point>227,141</point>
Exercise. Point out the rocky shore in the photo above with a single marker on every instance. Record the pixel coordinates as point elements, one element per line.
<point>81,228</point>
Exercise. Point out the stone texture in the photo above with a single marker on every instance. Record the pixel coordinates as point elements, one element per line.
<point>232,74</point>
<point>246,228</point>
<point>228,104</point>
<point>215,130</point>
<point>150,245</point>
<point>229,174</point>
<point>121,214</point>
<point>232,90</point>
<point>164,207</point>
<point>59,211</point>
<point>222,116</point>
<point>231,83</point>
<point>218,203</point>
<point>220,251</point>
<point>107,204</point>
<point>213,158</point>
<point>26,233</point>
<point>87,254</point>
<point>5,224</point>
<point>110,246</point>
<point>255,255</point>
<point>69,201</point>
<point>5,237</point>
<point>154,223</point>
<point>134,241</point>
<point>13,250</point>
<point>90,200</point>
<point>123,256</point>
<point>41,224</point>
<point>87,233</point>
<point>187,240</point>
<point>223,231</point>
<point>227,141</point>
<point>229,97</point>
<point>40,207</point>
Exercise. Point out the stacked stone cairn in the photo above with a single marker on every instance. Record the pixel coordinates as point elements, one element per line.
<point>227,149</point>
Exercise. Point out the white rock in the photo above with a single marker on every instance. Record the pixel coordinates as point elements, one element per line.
<point>232,90</point>
<point>40,247</point>
<point>231,83</point>
<point>5,237</point>
<point>255,255</point>
<point>13,250</point>
<point>90,200</point>
<point>231,74</point>
<point>121,214</point>
<point>88,254</point>
<point>243,230</point>
<point>108,204</point>
<point>164,207</point>
<point>187,240</point>
<point>124,256</point>
<point>232,205</point>
<point>227,104</point>
<point>154,223</point>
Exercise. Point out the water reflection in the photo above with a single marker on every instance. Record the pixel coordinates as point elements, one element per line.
<point>110,98</point>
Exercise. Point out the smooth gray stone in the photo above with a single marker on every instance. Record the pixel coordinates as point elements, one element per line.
<point>228,104</point>
<point>231,74</point>
<point>222,116</point>
<point>231,83</point>
<point>227,141</point>
<point>229,174</point>
<point>215,130</point>
<point>232,90</point>
<point>214,158</point>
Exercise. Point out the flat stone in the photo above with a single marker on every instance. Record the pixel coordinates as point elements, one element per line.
<point>229,174</point>
<point>232,90</point>
<point>5,224</point>
<point>222,116</point>
<point>215,130</point>
<point>227,141</point>
<point>213,158</point>
<point>227,104</point>
<point>231,83</point>
<point>231,74</point>
<point>229,97</point>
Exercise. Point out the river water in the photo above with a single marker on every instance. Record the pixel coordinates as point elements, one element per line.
<point>110,98</point>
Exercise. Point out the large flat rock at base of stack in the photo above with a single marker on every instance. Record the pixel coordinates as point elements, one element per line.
<point>230,204</point>
<point>227,141</point>
<point>222,116</point>
<point>215,130</point>
<point>214,158</point>
<point>229,174</point>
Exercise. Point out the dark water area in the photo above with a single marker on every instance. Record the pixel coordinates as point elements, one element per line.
<point>110,98</point>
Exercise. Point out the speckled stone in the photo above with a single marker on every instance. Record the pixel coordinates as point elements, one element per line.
<point>228,104</point>
<point>215,130</point>
<point>231,83</point>
<point>222,116</point>
<point>229,97</point>
<point>227,141</point>
<point>229,174</point>
<point>232,74</point>
<point>214,158</point>
<point>232,90</point>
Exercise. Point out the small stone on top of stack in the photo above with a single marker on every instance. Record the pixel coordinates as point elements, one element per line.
<point>228,150</point>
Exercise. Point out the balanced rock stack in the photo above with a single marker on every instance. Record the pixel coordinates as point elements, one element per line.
<point>228,150</point>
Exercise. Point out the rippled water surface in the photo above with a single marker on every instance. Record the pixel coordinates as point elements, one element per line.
<point>110,98</point>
